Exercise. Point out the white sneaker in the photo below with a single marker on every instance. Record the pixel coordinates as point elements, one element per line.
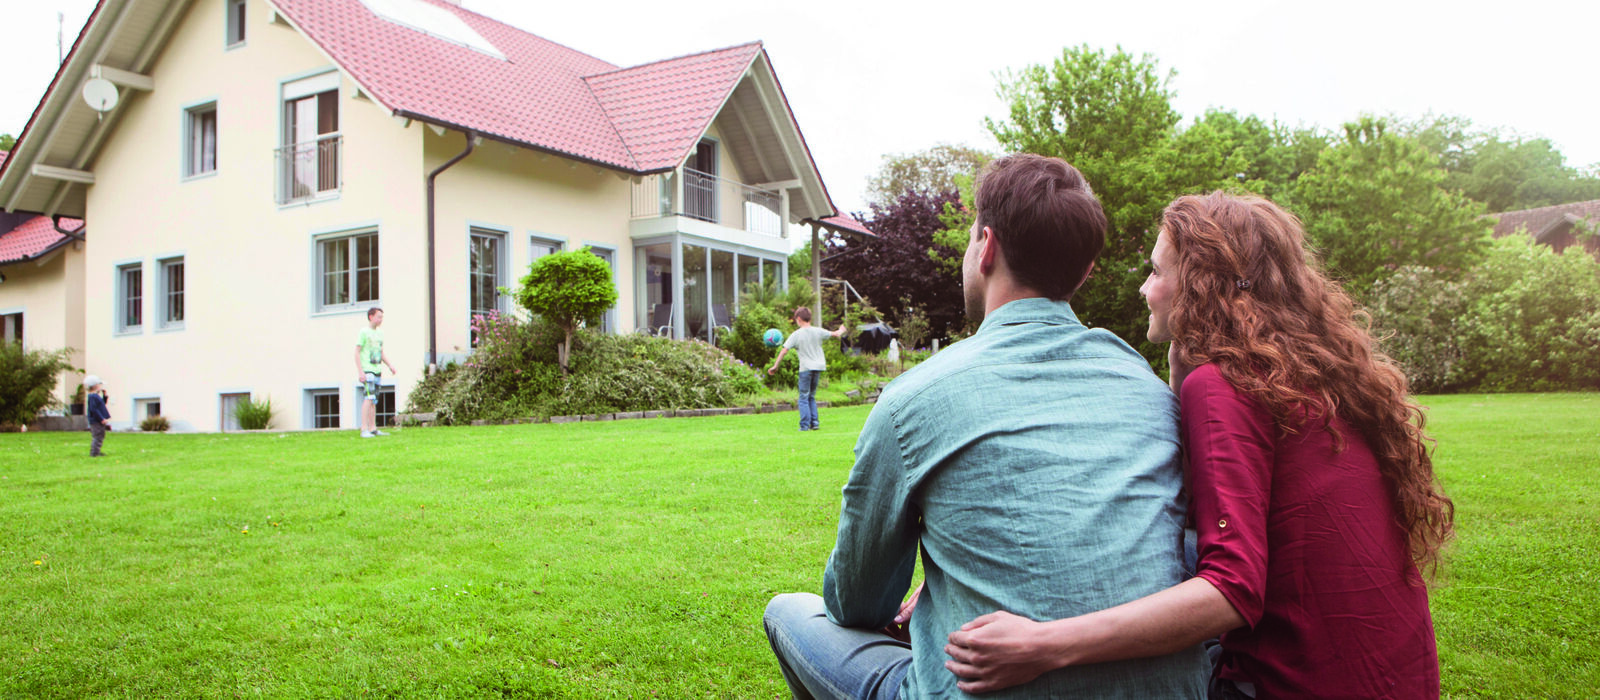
<point>366,434</point>
<point>379,433</point>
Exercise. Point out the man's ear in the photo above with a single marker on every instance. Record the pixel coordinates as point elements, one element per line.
<point>989,252</point>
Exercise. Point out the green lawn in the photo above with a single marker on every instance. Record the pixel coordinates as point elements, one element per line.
<point>620,559</point>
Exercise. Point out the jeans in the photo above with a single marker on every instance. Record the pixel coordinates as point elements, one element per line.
<point>822,660</point>
<point>97,437</point>
<point>808,398</point>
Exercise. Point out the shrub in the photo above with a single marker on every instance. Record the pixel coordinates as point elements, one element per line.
<point>913,328</point>
<point>1533,322</point>
<point>155,424</point>
<point>253,414</point>
<point>760,308</point>
<point>1416,315</point>
<point>28,381</point>
<point>566,289</point>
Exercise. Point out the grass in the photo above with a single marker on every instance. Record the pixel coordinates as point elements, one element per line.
<point>612,559</point>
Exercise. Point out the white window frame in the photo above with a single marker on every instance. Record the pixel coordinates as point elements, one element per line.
<point>291,90</point>
<point>608,320</point>
<point>141,407</point>
<point>222,409</point>
<point>501,262</point>
<point>194,145</point>
<point>387,418</point>
<point>319,268</point>
<point>544,241</point>
<point>311,414</point>
<point>235,15</point>
<point>5,325</point>
<point>164,298</point>
<point>124,302</point>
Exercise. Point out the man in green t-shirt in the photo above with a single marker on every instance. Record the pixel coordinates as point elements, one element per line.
<point>369,354</point>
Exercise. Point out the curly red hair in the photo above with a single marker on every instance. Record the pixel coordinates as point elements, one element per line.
<point>1252,300</point>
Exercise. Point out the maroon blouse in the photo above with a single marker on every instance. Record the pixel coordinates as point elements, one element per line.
<point>1304,543</point>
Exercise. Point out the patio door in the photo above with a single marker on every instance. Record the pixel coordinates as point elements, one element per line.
<point>700,183</point>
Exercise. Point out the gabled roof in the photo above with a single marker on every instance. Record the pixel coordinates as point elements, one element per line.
<point>661,109</point>
<point>1543,219</point>
<point>34,238</point>
<point>847,223</point>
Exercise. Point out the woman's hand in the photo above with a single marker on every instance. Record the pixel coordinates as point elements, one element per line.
<point>998,650</point>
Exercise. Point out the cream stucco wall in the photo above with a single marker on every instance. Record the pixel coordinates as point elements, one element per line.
<point>250,324</point>
<point>49,294</point>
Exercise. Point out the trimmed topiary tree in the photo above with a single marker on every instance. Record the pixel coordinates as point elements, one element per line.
<point>567,289</point>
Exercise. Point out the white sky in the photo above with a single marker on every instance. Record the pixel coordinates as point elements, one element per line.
<point>868,77</point>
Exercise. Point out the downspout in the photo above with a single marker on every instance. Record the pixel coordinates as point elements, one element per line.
<point>433,320</point>
<point>74,235</point>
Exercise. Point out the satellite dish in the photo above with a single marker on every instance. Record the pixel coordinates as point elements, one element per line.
<point>101,94</point>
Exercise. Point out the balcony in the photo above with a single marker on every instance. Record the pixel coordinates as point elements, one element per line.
<point>711,199</point>
<point>309,170</point>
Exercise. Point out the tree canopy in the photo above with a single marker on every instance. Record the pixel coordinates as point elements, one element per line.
<point>932,171</point>
<point>568,288</point>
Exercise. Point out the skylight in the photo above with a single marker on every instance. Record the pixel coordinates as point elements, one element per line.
<point>434,21</point>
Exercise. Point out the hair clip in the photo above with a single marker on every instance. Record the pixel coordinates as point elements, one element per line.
<point>1243,284</point>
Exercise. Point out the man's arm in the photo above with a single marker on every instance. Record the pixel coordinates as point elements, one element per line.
<point>872,562</point>
<point>1000,650</point>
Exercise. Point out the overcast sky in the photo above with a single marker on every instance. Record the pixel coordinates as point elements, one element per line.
<point>867,77</point>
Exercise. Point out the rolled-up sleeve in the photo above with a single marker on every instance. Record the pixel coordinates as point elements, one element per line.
<point>1230,440</point>
<point>873,560</point>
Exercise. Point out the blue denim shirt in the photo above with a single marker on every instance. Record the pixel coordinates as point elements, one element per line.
<point>1036,463</point>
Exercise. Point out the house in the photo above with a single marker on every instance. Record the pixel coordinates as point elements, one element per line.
<point>41,286</point>
<point>1557,226</point>
<point>265,171</point>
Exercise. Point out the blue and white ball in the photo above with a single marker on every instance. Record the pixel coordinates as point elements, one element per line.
<point>773,337</point>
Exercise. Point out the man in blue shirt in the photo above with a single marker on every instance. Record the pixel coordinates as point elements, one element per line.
<point>1035,464</point>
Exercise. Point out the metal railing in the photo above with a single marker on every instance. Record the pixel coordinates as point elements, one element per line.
<point>710,198</point>
<point>309,169</point>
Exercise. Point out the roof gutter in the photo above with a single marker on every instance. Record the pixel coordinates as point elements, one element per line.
<point>433,305</point>
<point>76,235</point>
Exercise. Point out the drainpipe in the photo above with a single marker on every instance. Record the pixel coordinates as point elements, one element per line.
<point>74,235</point>
<point>433,321</point>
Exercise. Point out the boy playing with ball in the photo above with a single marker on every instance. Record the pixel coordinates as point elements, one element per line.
<point>807,343</point>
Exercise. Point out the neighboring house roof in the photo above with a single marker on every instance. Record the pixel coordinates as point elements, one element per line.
<point>33,238</point>
<point>845,221</point>
<point>1544,222</point>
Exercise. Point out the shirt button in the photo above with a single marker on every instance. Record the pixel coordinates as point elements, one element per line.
<point>1222,523</point>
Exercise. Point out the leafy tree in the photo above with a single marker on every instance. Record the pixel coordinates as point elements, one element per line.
<point>566,289</point>
<point>1534,320</point>
<point>1416,316</point>
<point>932,171</point>
<point>895,271</point>
<point>1377,201</point>
<point>7,141</point>
<point>28,381</point>
<point>1505,172</point>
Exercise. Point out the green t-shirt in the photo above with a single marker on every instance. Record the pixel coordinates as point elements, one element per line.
<point>371,344</point>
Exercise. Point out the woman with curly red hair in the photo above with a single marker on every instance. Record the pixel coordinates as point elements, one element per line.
<point>1312,490</point>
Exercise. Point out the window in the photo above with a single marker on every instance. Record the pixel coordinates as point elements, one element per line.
<point>385,411</point>
<point>200,140</point>
<point>485,270</point>
<point>700,183</point>
<point>230,410</point>
<point>608,320</point>
<point>308,160</point>
<point>347,270</point>
<point>235,22</point>
<point>11,327</point>
<point>146,408</point>
<point>540,247</point>
<point>172,293</point>
<point>324,405</point>
<point>130,298</point>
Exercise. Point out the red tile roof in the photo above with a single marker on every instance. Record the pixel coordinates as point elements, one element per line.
<point>845,221</point>
<point>33,238</point>
<point>661,109</point>
<point>545,95</point>
<point>1537,220</point>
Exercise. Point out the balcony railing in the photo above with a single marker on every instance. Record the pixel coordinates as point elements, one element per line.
<point>710,198</point>
<point>309,169</point>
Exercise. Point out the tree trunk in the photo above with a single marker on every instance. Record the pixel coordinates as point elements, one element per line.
<point>564,351</point>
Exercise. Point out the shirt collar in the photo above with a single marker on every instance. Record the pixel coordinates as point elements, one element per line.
<point>1031,310</point>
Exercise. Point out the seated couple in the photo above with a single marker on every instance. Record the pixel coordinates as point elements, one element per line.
<point>1037,466</point>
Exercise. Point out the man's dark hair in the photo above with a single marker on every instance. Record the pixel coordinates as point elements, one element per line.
<point>1048,222</point>
<point>803,314</point>
<point>372,311</point>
